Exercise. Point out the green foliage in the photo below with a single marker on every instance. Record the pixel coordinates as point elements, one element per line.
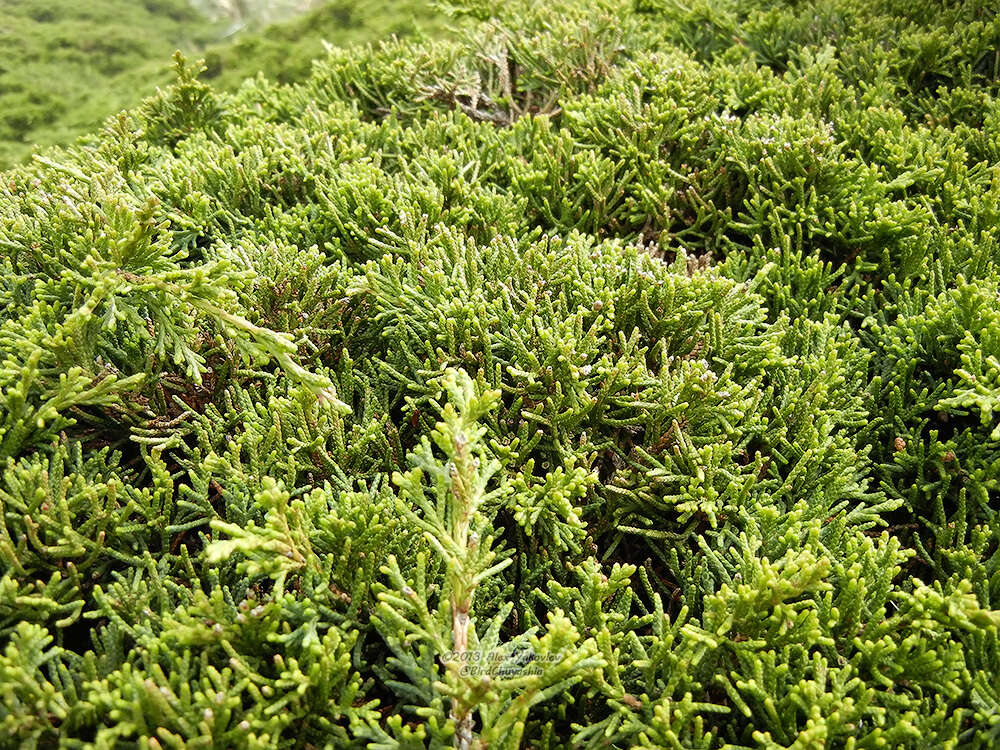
<point>607,374</point>
<point>480,674</point>
<point>68,66</point>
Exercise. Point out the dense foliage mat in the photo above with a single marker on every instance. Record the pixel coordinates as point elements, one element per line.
<point>609,375</point>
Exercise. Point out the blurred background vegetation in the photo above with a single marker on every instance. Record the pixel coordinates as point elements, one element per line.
<point>65,65</point>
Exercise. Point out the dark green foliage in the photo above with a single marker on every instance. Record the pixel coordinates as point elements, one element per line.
<point>66,65</point>
<point>604,375</point>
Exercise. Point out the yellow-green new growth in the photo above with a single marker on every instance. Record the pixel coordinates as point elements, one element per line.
<point>444,497</point>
